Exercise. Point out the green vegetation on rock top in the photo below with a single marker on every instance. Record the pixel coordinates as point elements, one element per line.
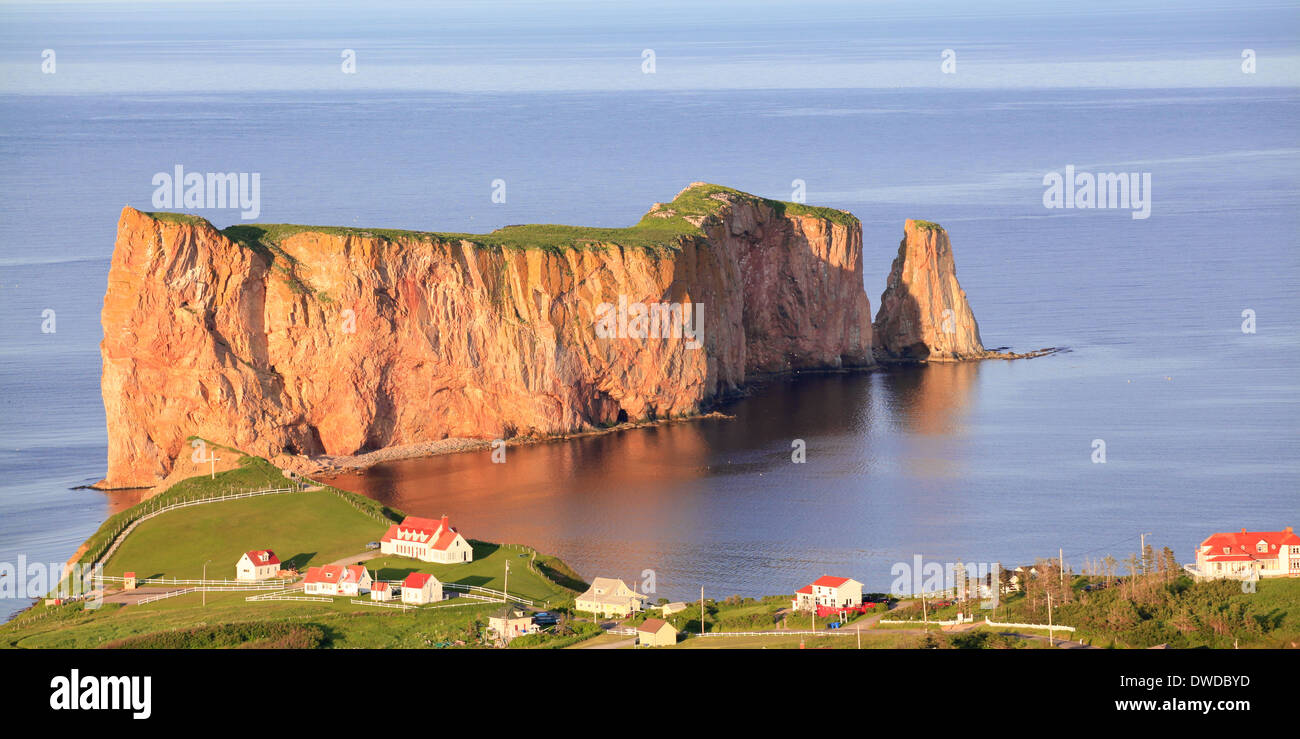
<point>927,225</point>
<point>662,228</point>
<point>170,217</point>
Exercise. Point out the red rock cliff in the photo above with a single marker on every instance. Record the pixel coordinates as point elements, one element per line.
<point>923,314</point>
<point>337,341</point>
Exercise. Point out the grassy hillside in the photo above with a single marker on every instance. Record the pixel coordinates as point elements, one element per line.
<point>344,625</point>
<point>486,571</point>
<point>307,528</point>
<point>304,528</point>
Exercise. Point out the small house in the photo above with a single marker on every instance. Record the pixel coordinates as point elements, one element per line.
<point>510,622</point>
<point>337,580</point>
<point>669,609</point>
<point>828,592</point>
<point>419,588</point>
<point>656,632</point>
<point>260,564</point>
<point>381,591</point>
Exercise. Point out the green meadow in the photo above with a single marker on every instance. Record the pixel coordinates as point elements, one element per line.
<point>303,528</point>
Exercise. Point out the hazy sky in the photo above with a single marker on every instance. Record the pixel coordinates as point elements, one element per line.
<point>532,46</point>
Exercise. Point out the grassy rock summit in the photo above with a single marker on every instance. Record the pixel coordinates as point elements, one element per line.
<point>299,340</point>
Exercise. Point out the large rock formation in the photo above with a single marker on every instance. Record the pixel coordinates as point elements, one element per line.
<point>923,312</point>
<point>305,341</point>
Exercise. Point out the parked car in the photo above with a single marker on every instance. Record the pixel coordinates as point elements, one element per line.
<point>545,619</point>
<point>372,545</point>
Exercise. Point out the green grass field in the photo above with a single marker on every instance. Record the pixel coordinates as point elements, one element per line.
<point>487,571</point>
<point>346,625</point>
<point>309,528</point>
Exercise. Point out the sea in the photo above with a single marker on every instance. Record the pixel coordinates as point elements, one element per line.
<point>1172,415</point>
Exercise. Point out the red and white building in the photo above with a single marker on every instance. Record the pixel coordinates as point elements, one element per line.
<point>426,539</point>
<point>829,592</point>
<point>419,588</point>
<point>381,591</point>
<point>260,564</point>
<point>337,580</point>
<point>1249,555</point>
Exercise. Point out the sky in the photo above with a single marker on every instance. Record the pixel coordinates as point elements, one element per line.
<point>207,47</point>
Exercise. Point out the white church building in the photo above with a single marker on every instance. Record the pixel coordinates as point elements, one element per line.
<point>426,539</point>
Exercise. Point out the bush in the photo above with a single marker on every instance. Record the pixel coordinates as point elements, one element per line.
<point>254,635</point>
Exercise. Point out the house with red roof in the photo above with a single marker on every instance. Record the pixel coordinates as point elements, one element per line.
<point>828,592</point>
<point>381,591</point>
<point>419,588</point>
<point>426,539</point>
<point>259,564</point>
<point>337,580</point>
<point>1249,555</point>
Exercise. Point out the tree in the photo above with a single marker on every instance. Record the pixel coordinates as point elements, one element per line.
<point>1170,563</point>
<point>1122,615</point>
<point>1108,569</point>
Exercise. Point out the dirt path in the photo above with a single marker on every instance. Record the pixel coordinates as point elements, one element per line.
<point>601,642</point>
<point>355,558</point>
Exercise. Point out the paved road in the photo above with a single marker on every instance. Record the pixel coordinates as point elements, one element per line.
<point>131,597</point>
<point>355,558</point>
<point>628,642</point>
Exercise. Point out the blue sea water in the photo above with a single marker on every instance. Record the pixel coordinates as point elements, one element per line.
<point>985,462</point>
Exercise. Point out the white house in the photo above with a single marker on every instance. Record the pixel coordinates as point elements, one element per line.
<point>259,564</point>
<point>426,539</point>
<point>832,592</point>
<point>337,580</point>
<point>610,597</point>
<point>419,588</point>
<point>1249,555</point>
<point>669,609</point>
<point>381,591</point>
<point>510,622</point>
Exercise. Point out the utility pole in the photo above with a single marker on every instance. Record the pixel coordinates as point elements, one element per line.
<point>213,459</point>
<point>1050,631</point>
<point>505,588</point>
<point>205,580</point>
<point>1061,553</point>
<point>1142,553</point>
<point>701,610</point>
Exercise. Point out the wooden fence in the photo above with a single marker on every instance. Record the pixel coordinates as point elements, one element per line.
<point>127,527</point>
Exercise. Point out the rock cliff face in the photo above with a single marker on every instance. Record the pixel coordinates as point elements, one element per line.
<point>923,312</point>
<point>304,341</point>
